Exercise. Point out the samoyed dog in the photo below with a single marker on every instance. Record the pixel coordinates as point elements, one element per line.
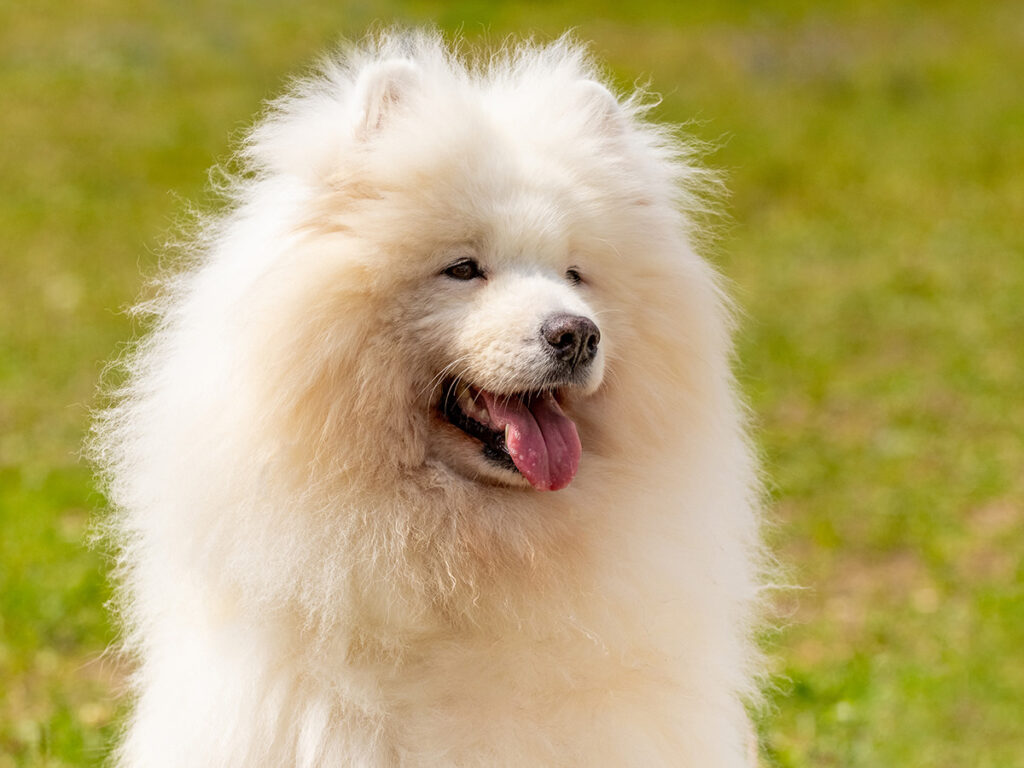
<point>432,455</point>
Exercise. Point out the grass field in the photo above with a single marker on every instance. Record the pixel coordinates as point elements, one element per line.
<point>875,153</point>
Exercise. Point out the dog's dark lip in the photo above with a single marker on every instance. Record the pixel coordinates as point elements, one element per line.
<point>494,448</point>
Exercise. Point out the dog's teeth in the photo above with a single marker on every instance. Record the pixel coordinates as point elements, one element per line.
<point>471,406</point>
<point>482,414</point>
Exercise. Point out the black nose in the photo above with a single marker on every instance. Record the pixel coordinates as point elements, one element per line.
<point>572,339</point>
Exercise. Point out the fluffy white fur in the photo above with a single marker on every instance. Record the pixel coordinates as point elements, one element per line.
<point>316,571</point>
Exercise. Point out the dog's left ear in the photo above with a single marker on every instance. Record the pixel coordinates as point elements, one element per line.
<point>601,106</point>
<point>380,89</point>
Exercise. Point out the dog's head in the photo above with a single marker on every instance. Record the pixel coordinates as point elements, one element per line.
<point>471,258</point>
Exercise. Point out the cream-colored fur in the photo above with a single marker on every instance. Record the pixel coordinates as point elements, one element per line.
<point>316,570</point>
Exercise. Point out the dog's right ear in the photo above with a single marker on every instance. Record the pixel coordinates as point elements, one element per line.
<point>304,135</point>
<point>380,90</point>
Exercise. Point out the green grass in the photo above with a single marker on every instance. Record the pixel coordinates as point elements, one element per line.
<point>876,157</point>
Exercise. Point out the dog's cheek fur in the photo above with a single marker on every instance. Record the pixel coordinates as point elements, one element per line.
<point>320,366</point>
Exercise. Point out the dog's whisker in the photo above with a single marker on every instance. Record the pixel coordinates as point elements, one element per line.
<point>439,378</point>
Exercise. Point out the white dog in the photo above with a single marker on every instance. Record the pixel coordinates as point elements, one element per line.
<point>433,457</point>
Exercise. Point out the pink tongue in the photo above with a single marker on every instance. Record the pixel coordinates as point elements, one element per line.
<point>541,440</point>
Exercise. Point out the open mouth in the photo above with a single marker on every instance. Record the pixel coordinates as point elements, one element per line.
<point>525,432</point>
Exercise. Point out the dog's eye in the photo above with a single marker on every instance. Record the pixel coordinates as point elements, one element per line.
<point>467,269</point>
<point>574,276</point>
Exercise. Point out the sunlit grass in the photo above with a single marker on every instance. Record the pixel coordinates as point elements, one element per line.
<point>876,157</point>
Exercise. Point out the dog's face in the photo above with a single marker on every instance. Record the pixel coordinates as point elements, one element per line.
<point>513,344</point>
<point>488,313</point>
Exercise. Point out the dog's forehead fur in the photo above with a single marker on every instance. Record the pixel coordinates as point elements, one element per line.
<point>522,137</point>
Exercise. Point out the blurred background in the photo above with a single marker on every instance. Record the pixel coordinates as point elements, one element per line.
<point>874,238</point>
